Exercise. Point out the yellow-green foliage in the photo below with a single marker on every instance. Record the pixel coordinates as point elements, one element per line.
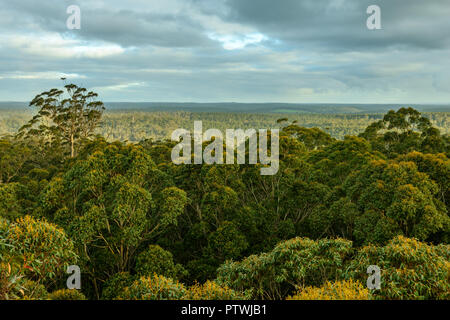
<point>34,291</point>
<point>340,290</point>
<point>158,287</point>
<point>299,261</point>
<point>11,281</point>
<point>43,248</point>
<point>154,287</point>
<point>66,294</point>
<point>15,286</point>
<point>212,291</point>
<point>410,269</point>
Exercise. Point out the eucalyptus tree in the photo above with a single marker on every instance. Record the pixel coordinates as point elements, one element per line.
<point>112,204</point>
<point>65,117</point>
<point>403,131</point>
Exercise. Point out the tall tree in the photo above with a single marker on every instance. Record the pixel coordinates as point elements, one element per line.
<point>404,131</point>
<point>67,116</point>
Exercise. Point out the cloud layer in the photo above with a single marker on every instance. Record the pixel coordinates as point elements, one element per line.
<point>229,50</point>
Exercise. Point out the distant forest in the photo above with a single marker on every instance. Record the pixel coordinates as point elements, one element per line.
<point>322,108</point>
<point>137,125</point>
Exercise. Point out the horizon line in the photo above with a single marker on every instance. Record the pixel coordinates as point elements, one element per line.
<point>293,103</point>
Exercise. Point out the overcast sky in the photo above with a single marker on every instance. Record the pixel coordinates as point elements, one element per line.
<point>303,51</point>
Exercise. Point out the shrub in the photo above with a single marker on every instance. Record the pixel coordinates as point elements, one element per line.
<point>34,291</point>
<point>5,247</point>
<point>66,294</point>
<point>274,275</point>
<point>11,282</point>
<point>340,290</point>
<point>212,291</point>
<point>43,248</point>
<point>409,269</point>
<point>154,287</point>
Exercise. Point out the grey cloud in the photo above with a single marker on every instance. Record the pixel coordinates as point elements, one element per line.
<point>341,24</point>
<point>315,50</point>
<point>126,27</point>
<point>129,28</point>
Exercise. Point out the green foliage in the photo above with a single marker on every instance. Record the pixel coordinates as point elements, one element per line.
<point>34,291</point>
<point>154,287</point>
<point>409,269</point>
<point>336,221</point>
<point>334,163</point>
<point>172,203</point>
<point>259,236</point>
<point>116,284</point>
<point>11,281</point>
<point>110,203</point>
<point>275,274</point>
<point>211,291</point>
<point>395,198</point>
<point>135,125</point>
<point>437,167</point>
<point>157,287</point>
<point>339,290</point>
<point>157,260</point>
<point>43,248</point>
<point>9,205</point>
<point>403,131</point>
<point>66,294</point>
<point>226,242</point>
<point>13,156</point>
<point>64,120</point>
<point>313,138</point>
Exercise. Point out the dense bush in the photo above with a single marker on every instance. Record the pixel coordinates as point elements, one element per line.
<point>11,282</point>
<point>339,290</point>
<point>14,285</point>
<point>34,291</point>
<point>298,261</point>
<point>154,287</point>
<point>43,248</point>
<point>66,294</point>
<point>212,291</point>
<point>409,269</point>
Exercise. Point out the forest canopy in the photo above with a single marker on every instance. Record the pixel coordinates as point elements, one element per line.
<point>141,227</point>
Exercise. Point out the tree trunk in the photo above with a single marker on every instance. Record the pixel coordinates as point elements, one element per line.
<point>72,151</point>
